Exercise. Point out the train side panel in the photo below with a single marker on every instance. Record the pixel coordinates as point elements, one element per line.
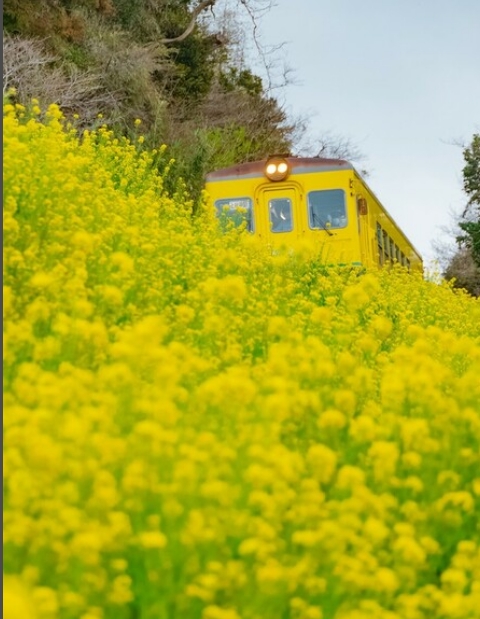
<point>385,240</point>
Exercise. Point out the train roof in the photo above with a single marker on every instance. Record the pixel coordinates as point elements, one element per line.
<point>297,165</point>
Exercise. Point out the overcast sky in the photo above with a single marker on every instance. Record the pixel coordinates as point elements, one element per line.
<point>401,79</point>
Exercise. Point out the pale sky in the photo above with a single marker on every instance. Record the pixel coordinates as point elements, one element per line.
<point>401,80</point>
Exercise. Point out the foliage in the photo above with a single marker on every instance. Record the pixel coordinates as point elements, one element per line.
<point>463,272</point>
<point>471,184</point>
<point>195,69</point>
<point>234,78</point>
<point>196,428</point>
<point>463,269</point>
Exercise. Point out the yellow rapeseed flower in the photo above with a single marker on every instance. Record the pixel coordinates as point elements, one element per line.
<point>191,423</point>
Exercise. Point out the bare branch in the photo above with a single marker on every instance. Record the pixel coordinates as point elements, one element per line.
<point>196,12</point>
<point>260,49</point>
<point>108,89</point>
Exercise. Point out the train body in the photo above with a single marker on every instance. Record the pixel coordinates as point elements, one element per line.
<point>285,201</point>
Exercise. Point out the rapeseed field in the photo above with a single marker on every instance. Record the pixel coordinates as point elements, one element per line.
<point>195,429</point>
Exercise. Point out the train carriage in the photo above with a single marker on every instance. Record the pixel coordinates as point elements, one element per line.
<point>285,201</point>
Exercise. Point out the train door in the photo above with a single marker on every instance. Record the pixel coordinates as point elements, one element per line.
<point>279,215</point>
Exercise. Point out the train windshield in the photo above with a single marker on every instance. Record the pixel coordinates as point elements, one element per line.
<point>233,212</point>
<point>326,209</point>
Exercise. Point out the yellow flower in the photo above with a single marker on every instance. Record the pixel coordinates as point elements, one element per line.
<point>152,539</point>
<point>276,430</point>
<point>411,460</point>
<point>323,462</point>
<point>46,601</point>
<point>476,486</point>
<point>375,530</point>
<point>120,592</point>
<point>345,400</point>
<point>322,315</point>
<point>454,580</point>
<point>350,477</point>
<point>381,327</point>
<point>17,600</point>
<point>54,112</point>
<point>332,419</point>
<point>42,280</point>
<point>383,456</point>
<point>119,565</point>
<point>356,297</point>
<point>216,612</point>
<point>387,580</point>
<point>463,500</point>
<point>408,549</point>
<point>313,612</point>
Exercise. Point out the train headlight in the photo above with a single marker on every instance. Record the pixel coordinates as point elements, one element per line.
<point>271,169</point>
<point>276,169</point>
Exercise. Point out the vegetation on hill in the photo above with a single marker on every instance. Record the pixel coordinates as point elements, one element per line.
<point>113,58</point>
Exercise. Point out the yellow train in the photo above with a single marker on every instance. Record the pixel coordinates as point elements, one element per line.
<point>285,201</point>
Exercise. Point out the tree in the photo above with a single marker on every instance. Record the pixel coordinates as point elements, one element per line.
<point>463,267</point>
<point>470,223</point>
<point>464,272</point>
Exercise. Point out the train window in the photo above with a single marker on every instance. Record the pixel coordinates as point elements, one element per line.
<point>392,249</point>
<point>280,210</point>
<point>381,258</point>
<point>386,245</point>
<point>234,212</point>
<point>326,209</point>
